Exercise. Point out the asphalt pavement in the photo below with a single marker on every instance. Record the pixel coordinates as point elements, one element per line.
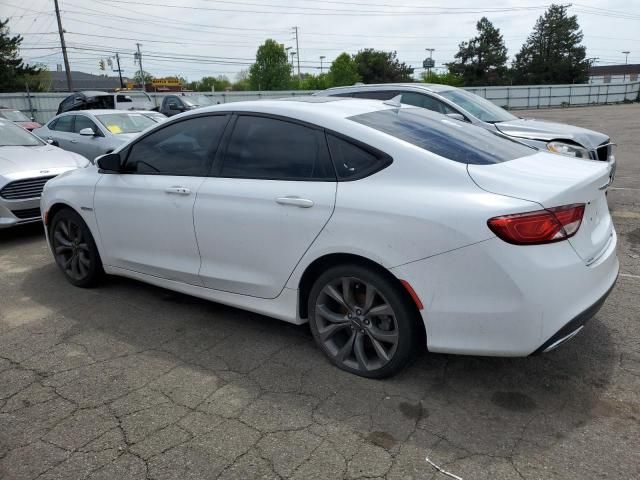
<point>129,381</point>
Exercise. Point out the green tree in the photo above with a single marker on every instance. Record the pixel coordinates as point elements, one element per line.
<point>242,81</point>
<point>552,53</point>
<point>443,78</point>
<point>377,66</point>
<point>483,59</point>
<point>343,71</point>
<point>271,70</point>
<point>313,82</point>
<point>14,73</point>
<point>145,75</point>
<point>219,84</point>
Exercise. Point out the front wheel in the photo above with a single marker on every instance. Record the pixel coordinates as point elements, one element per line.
<point>362,321</point>
<point>74,249</point>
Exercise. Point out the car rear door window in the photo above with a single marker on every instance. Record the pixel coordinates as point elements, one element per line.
<point>269,148</point>
<point>376,94</point>
<point>183,148</point>
<point>353,162</point>
<point>426,101</point>
<point>64,124</point>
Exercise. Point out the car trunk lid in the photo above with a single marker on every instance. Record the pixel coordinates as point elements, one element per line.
<point>553,181</point>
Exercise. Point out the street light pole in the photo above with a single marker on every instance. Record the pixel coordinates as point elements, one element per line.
<point>430,50</point>
<point>322,57</point>
<point>626,58</point>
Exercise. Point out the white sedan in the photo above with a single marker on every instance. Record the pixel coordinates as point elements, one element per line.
<point>388,228</point>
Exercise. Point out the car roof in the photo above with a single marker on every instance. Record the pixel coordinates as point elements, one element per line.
<point>321,111</point>
<point>431,87</point>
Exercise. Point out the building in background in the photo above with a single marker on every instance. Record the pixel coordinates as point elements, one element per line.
<point>84,81</point>
<point>614,73</point>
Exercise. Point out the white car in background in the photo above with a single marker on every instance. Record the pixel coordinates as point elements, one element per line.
<point>92,133</point>
<point>26,164</point>
<point>389,228</point>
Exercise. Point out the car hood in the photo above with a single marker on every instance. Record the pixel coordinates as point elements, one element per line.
<point>547,131</point>
<point>45,157</point>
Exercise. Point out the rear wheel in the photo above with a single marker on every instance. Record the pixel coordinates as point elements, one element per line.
<point>74,249</point>
<point>362,321</point>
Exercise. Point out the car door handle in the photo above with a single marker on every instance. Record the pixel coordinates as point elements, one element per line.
<point>178,190</point>
<point>74,141</point>
<point>295,201</point>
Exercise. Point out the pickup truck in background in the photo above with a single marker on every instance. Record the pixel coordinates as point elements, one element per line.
<point>92,100</point>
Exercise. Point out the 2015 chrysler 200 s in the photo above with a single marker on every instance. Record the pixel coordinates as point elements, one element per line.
<point>387,227</point>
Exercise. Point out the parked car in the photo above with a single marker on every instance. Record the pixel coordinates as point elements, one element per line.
<point>26,164</point>
<point>92,100</point>
<point>466,106</point>
<point>19,118</point>
<point>92,133</point>
<point>387,227</point>
<point>175,104</point>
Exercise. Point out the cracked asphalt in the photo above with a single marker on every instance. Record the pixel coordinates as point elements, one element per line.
<point>129,381</point>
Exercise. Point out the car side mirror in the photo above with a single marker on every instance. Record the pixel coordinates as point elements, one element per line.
<point>109,163</point>
<point>87,132</point>
<point>457,116</point>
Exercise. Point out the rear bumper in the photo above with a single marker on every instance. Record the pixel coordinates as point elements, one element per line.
<point>496,299</point>
<point>573,327</point>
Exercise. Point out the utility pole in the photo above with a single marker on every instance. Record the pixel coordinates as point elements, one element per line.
<point>591,62</point>
<point>141,70</point>
<point>295,29</point>
<point>626,58</point>
<point>64,48</point>
<point>293,54</point>
<point>322,57</point>
<point>119,70</point>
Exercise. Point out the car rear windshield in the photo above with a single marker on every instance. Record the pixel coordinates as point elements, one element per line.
<point>118,123</point>
<point>444,136</point>
<point>11,135</point>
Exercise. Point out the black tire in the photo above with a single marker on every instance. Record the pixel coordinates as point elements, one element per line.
<point>383,334</point>
<point>74,249</point>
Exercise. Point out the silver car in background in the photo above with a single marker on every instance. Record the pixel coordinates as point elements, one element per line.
<point>26,164</point>
<point>92,133</point>
<point>463,105</point>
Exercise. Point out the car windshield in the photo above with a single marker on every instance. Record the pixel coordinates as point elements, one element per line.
<point>155,116</point>
<point>118,123</point>
<point>197,101</point>
<point>443,136</point>
<point>479,107</point>
<point>11,135</point>
<point>14,115</point>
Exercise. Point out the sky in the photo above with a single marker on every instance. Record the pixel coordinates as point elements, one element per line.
<point>196,38</point>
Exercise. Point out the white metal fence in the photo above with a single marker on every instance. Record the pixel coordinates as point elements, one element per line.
<point>43,106</point>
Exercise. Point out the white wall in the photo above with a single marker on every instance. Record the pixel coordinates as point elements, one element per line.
<point>45,105</point>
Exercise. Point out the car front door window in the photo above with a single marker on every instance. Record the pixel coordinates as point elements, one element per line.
<point>182,148</point>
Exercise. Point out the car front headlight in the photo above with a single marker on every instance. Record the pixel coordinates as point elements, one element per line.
<point>568,149</point>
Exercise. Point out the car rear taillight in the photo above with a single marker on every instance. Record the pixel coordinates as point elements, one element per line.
<point>542,226</point>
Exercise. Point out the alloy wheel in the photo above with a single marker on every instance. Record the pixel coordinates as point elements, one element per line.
<point>356,324</point>
<point>71,249</point>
